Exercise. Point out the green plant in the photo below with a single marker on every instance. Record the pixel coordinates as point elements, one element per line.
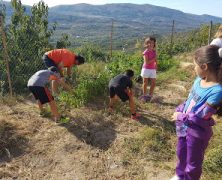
<point>213,162</point>
<point>88,88</point>
<point>27,38</point>
<point>151,144</point>
<point>92,53</point>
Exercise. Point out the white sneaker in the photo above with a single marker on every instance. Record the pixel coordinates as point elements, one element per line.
<point>175,178</point>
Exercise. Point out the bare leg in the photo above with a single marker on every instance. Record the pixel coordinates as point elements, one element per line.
<point>145,83</point>
<point>54,110</point>
<point>112,102</point>
<point>132,105</point>
<point>40,105</point>
<point>152,86</point>
<point>54,86</point>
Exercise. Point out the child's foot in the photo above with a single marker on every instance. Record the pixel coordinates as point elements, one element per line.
<point>148,98</point>
<point>175,178</point>
<point>43,113</point>
<point>135,116</point>
<point>61,119</point>
<point>57,119</point>
<point>142,98</point>
<point>145,98</point>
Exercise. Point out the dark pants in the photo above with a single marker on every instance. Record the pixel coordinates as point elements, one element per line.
<point>121,93</point>
<point>190,153</point>
<point>48,62</point>
<point>41,93</point>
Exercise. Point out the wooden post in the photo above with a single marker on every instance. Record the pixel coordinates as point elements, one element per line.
<point>210,30</point>
<point>171,38</point>
<point>5,54</point>
<point>111,40</point>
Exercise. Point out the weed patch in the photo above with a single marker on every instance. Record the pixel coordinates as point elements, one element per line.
<point>151,144</point>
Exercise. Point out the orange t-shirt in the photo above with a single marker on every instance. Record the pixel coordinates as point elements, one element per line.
<point>62,55</point>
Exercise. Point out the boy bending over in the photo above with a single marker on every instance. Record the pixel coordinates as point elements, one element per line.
<point>120,87</point>
<point>37,85</point>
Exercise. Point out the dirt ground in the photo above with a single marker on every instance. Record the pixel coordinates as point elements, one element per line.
<point>88,147</point>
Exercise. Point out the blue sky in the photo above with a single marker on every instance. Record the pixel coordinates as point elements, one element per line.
<point>199,7</point>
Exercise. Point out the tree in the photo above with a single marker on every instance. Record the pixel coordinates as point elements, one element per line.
<point>28,37</point>
<point>63,42</point>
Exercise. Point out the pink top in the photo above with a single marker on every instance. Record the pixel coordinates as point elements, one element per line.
<point>150,54</point>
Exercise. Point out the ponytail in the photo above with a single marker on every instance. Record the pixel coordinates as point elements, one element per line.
<point>219,107</point>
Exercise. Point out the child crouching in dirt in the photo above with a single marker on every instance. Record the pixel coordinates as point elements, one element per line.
<point>37,85</point>
<point>120,87</point>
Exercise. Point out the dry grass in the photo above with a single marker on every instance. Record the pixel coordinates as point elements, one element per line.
<point>93,144</point>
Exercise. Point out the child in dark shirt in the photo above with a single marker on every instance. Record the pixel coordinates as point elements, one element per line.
<point>120,87</point>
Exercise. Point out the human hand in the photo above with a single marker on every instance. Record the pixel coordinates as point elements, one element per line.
<point>129,92</point>
<point>174,116</point>
<point>62,79</point>
<point>69,80</point>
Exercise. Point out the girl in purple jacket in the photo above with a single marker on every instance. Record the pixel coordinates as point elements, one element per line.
<point>194,117</point>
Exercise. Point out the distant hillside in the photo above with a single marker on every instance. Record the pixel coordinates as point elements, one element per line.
<point>86,22</point>
<point>129,19</point>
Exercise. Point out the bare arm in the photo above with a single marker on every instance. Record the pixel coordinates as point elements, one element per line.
<point>61,66</point>
<point>129,92</point>
<point>61,81</point>
<point>69,71</point>
<point>64,84</point>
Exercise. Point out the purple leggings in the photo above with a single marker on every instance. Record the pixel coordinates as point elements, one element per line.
<point>190,153</point>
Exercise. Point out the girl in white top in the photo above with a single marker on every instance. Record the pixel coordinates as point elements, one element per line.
<point>218,38</point>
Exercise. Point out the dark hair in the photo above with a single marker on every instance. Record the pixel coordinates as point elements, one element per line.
<point>129,73</point>
<point>53,69</point>
<point>80,59</point>
<point>150,39</point>
<point>210,55</point>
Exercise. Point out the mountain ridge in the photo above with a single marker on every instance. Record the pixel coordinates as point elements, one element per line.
<point>93,22</point>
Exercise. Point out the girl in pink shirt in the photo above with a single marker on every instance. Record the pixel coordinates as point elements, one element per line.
<point>148,71</point>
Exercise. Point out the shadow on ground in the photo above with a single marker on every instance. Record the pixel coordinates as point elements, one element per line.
<point>12,142</point>
<point>159,121</point>
<point>97,133</point>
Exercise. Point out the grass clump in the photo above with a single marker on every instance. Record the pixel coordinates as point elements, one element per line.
<point>213,163</point>
<point>151,144</point>
<point>173,74</point>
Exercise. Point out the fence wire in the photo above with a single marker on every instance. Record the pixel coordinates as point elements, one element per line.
<point>25,57</point>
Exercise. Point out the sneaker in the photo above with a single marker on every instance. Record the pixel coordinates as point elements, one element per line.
<point>146,98</point>
<point>175,178</point>
<point>56,119</point>
<point>44,113</point>
<point>142,98</point>
<point>136,116</point>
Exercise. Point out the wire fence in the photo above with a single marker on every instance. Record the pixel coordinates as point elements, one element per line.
<point>17,63</point>
<point>21,58</point>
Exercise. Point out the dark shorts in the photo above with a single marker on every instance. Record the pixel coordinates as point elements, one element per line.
<point>48,62</point>
<point>119,92</point>
<point>41,93</point>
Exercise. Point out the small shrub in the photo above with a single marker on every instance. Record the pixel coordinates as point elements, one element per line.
<point>88,88</point>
